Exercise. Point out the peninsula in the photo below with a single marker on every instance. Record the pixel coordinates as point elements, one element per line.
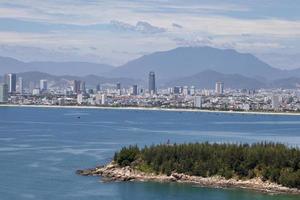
<point>265,167</point>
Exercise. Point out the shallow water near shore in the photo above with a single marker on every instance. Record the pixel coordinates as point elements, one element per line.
<point>40,149</point>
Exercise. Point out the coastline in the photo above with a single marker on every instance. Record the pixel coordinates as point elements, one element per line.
<point>154,109</point>
<point>113,172</point>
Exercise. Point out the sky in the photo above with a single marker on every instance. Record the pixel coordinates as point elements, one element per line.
<point>115,31</point>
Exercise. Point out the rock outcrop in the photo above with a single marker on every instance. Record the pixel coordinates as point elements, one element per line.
<point>113,172</point>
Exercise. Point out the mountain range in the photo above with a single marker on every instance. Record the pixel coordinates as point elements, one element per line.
<point>186,61</point>
<point>60,81</point>
<point>199,66</point>
<point>8,65</point>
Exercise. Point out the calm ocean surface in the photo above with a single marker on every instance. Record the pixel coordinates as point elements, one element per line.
<point>40,150</point>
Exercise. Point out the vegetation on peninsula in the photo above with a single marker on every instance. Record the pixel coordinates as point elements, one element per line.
<point>270,161</point>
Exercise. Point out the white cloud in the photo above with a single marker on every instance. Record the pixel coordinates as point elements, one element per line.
<point>147,26</point>
<point>141,27</point>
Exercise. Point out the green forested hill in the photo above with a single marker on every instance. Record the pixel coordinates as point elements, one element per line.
<point>274,162</point>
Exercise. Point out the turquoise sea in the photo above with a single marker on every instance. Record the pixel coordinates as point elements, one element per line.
<point>41,148</point>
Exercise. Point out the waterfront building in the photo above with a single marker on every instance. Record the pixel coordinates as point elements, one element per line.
<point>31,86</point>
<point>197,101</point>
<point>134,90</point>
<point>192,90</point>
<point>98,98</point>
<point>219,90</point>
<point>43,85</point>
<point>275,102</point>
<point>119,90</point>
<point>20,85</point>
<point>103,99</point>
<point>3,93</point>
<point>152,87</point>
<point>82,86</point>
<point>11,81</point>
<point>36,91</point>
<point>79,98</point>
<point>185,91</point>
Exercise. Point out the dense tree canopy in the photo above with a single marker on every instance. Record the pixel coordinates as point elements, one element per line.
<point>274,162</point>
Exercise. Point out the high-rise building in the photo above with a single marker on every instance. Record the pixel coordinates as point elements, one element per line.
<point>103,99</point>
<point>36,91</point>
<point>152,87</point>
<point>185,91</point>
<point>118,86</point>
<point>11,81</point>
<point>176,90</point>
<point>3,93</point>
<point>20,85</point>
<point>31,86</point>
<point>192,90</point>
<point>219,88</point>
<point>275,102</point>
<point>197,101</point>
<point>43,85</point>
<point>79,98</point>
<point>98,88</point>
<point>134,90</point>
<point>82,86</point>
<point>76,86</point>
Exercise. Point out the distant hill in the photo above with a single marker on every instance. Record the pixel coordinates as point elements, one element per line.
<point>208,78</point>
<point>204,79</point>
<point>199,66</point>
<point>8,65</point>
<point>187,61</point>
<point>290,83</point>
<point>91,80</point>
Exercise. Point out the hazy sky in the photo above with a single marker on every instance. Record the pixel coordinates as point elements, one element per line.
<point>115,31</point>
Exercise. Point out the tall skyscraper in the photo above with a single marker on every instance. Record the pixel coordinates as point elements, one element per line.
<point>31,86</point>
<point>43,85</point>
<point>275,102</point>
<point>103,99</point>
<point>152,87</point>
<point>176,90</point>
<point>11,81</point>
<point>118,86</point>
<point>219,88</point>
<point>119,91</point>
<point>3,93</point>
<point>185,91</point>
<point>197,101</point>
<point>134,90</point>
<point>82,86</point>
<point>98,87</point>
<point>20,85</point>
<point>76,86</point>
<point>79,98</point>
<point>192,90</point>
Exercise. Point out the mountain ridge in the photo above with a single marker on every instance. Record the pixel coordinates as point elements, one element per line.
<point>9,65</point>
<point>191,60</point>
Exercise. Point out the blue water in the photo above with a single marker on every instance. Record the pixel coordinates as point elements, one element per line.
<point>40,150</point>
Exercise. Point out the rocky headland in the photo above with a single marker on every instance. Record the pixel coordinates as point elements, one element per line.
<point>114,172</point>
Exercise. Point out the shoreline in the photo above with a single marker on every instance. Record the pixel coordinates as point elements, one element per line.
<point>154,109</point>
<point>113,172</point>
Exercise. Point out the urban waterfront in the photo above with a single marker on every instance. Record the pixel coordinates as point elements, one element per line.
<point>41,148</point>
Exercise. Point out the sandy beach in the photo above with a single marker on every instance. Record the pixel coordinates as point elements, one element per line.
<point>153,109</point>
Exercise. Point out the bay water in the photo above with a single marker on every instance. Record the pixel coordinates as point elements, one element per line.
<point>41,148</point>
